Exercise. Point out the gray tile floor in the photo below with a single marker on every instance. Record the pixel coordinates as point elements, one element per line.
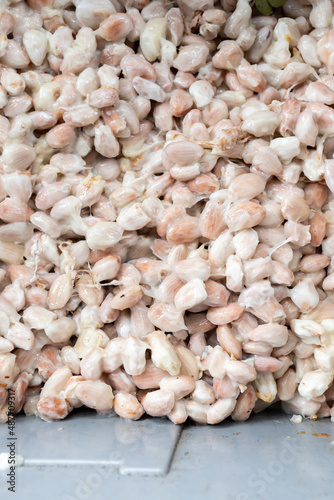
<point>89,457</point>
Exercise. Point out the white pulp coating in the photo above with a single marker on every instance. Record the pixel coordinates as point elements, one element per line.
<point>166,208</point>
<point>296,419</point>
<point>6,461</point>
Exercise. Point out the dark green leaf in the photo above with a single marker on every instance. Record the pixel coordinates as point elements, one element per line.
<point>263,6</point>
<point>276,3</point>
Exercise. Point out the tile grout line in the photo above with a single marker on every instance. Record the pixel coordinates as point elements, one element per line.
<point>172,455</point>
